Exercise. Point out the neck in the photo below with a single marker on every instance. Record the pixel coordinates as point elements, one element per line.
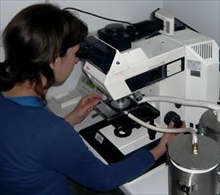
<point>24,89</point>
<point>20,90</point>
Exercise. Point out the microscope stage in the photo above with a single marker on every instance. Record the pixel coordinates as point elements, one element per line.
<point>119,136</point>
<point>101,137</point>
<point>138,138</point>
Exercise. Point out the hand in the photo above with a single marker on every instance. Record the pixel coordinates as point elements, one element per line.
<point>83,108</point>
<point>161,148</point>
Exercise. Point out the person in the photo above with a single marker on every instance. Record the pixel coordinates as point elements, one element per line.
<point>39,150</point>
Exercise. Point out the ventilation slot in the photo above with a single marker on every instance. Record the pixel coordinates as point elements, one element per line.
<point>204,50</point>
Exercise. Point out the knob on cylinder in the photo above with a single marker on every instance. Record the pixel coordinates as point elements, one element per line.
<point>173,116</point>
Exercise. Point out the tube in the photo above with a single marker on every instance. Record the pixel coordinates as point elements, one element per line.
<point>165,130</point>
<point>193,103</point>
<point>168,99</point>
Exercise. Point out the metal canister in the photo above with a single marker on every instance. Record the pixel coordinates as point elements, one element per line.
<point>191,173</point>
<point>209,126</point>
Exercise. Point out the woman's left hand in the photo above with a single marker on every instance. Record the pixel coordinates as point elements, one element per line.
<point>83,108</point>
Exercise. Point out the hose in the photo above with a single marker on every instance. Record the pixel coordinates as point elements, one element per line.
<point>195,103</point>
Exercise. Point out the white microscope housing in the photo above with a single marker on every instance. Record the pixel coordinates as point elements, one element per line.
<point>185,65</point>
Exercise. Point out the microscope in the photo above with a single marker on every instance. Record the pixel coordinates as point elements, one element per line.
<point>160,57</point>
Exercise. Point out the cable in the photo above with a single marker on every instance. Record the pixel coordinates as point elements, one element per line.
<point>98,16</point>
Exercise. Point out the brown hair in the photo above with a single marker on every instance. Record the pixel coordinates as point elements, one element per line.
<point>33,39</point>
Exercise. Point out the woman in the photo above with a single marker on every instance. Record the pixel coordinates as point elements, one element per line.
<point>39,150</point>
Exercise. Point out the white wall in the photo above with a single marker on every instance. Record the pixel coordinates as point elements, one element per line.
<point>202,15</point>
<point>131,11</point>
<point>8,8</point>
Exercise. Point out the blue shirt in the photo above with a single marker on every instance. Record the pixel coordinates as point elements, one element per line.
<point>39,150</point>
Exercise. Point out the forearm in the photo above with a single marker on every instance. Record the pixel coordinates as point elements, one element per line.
<point>158,151</point>
<point>161,148</point>
<point>82,109</point>
<point>70,118</point>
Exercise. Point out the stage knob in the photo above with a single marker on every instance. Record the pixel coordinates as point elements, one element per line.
<point>173,116</point>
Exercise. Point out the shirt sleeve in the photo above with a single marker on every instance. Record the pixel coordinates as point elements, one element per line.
<point>67,154</point>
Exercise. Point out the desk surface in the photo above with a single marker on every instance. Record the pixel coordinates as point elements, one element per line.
<point>153,182</point>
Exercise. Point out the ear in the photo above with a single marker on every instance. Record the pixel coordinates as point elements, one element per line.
<point>55,63</point>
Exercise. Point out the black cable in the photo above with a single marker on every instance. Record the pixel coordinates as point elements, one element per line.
<point>98,16</point>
